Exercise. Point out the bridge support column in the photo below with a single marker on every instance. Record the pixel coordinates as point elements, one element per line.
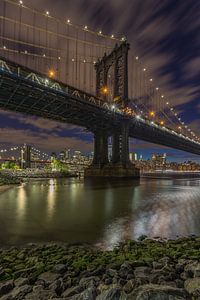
<point>116,151</point>
<point>120,165</point>
<point>100,149</point>
<point>125,144</point>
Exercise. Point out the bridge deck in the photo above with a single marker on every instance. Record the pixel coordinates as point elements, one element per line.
<point>21,90</point>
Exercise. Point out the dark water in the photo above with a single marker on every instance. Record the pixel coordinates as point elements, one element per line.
<point>104,213</point>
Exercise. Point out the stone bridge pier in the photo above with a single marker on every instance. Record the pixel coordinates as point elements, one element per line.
<point>120,165</point>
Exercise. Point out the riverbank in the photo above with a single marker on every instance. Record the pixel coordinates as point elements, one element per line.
<point>146,269</point>
<point>7,183</point>
<point>35,173</point>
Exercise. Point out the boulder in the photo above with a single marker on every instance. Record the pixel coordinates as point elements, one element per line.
<point>6,287</point>
<point>193,268</point>
<point>110,294</point>
<point>21,281</point>
<point>192,285</point>
<point>72,291</point>
<point>158,292</point>
<point>60,269</point>
<point>48,277</point>
<point>88,294</point>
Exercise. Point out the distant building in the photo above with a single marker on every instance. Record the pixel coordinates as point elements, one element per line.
<point>62,155</point>
<point>25,156</point>
<point>67,154</point>
<point>131,156</point>
<point>158,161</point>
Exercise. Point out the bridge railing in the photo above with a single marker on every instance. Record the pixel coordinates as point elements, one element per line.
<point>19,71</point>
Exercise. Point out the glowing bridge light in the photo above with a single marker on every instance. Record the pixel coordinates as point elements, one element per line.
<point>113,106</point>
<point>85,27</point>
<point>51,73</point>
<point>152,113</point>
<point>162,96</point>
<point>144,69</point>
<point>100,32</point>
<point>157,88</point>
<point>167,103</point>
<point>162,123</point>
<point>123,39</point>
<point>73,59</point>
<point>68,21</point>
<point>44,55</point>
<point>47,13</point>
<point>20,2</point>
<point>84,61</point>
<point>151,79</point>
<point>4,47</point>
<point>59,58</point>
<point>136,57</point>
<point>104,90</point>
<point>112,36</point>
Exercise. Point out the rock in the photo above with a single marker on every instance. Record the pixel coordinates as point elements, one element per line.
<point>103,287</point>
<point>192,285</point>
<point>21,281</point>
<point>20,292</point>
<point>72,291</point>
<point>126,265</point>
<point>40,295</point>
<point>111,272</point>
<point>87,282</point>
<point>193,269</point>
<point>37,288</point>
<point>158,292</point>
<point>108,281</point>
<point>179,283</point>
<point>122,282</point>
<point>24,272</point>
<point>48,277</point>
<point>142,272</point>
<point>57,286</point>
<point>88,294</point>
<point>111,294</point>
<point>129,286</point>
<point>60,269</point>
<point>157,265</point>
<point>6,287</point>
<point>164,260</point>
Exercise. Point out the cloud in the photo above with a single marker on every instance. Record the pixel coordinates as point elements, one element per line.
<point>45,141</point>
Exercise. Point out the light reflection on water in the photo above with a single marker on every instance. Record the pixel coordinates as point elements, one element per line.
<point>102,213</point>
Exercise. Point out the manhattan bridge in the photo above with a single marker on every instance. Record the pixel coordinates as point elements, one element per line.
<point>55,69</point>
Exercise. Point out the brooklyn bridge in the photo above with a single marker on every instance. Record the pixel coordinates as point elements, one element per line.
<point>58,70</point>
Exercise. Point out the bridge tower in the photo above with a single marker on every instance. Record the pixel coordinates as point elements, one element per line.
<point>25,157</point>
<point>120,165</point>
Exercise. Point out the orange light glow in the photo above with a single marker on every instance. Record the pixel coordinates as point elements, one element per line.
<point>162,123</point>
<point>51,73</point>
<point>152,113</point>
<point>105,90</point>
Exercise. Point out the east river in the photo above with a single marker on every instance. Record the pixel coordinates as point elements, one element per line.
<point>100,213</point>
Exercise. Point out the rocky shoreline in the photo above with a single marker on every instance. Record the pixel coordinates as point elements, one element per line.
<point>145,269</point>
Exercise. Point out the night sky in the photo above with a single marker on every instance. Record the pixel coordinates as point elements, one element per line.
<point>164,34</point>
